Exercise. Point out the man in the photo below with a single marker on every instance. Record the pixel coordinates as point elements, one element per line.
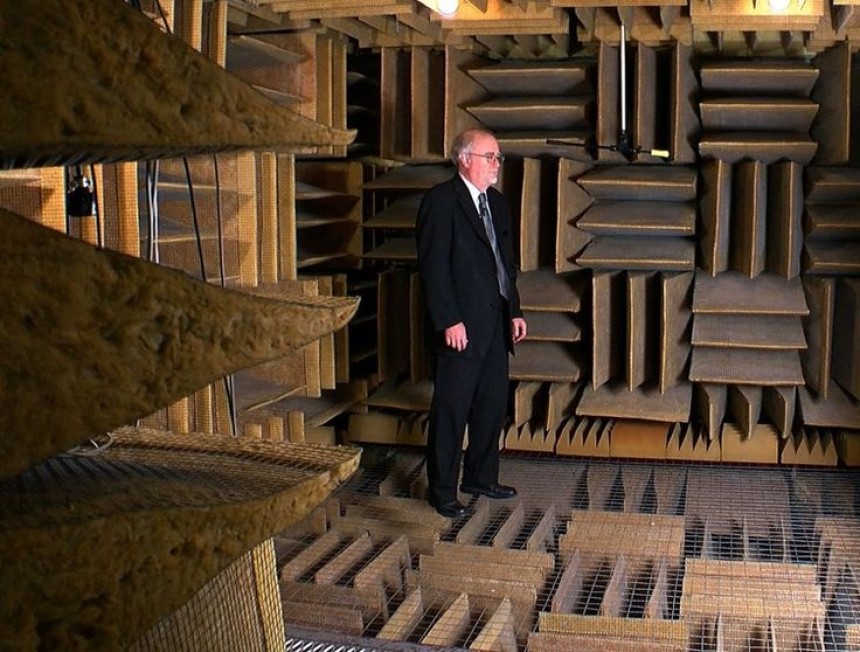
<point>469,281</point>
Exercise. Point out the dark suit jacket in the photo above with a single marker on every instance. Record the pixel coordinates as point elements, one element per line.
<point>458,270</point>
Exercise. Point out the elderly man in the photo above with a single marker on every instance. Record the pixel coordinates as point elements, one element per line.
<point>469,281</point>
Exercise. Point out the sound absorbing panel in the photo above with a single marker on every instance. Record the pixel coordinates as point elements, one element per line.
<point>572,201</point>
<point>641,219</point>
<point>846,336</point>
<point>833,128</point>
<point>616,401</point>
<point>216,110</point>
<point>159,337</point>
<point>784,219</point>
<point>832,244</point>
<point>530,103</point>
<point>754,114</point>
<point>533,113</point>
<point>837,410</point>
<point>535,78</point>
<point>716,210</point>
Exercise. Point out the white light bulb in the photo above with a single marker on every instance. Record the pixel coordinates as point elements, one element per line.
<point>447,7</point>
<point>779,5</point>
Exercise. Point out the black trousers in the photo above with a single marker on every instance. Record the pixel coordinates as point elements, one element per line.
<point>469,391</point>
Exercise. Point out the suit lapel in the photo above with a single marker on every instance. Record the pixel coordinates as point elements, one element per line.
<point>464,198</point>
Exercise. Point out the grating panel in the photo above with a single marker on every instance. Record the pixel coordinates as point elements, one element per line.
<point>592,555</point>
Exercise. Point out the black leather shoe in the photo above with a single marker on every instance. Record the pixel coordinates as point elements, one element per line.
<point>497,491</point>
<point>451,509</point>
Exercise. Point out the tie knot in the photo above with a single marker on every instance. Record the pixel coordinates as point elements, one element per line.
<point>482,202</point>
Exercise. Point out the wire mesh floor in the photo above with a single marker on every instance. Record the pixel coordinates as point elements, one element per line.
<point>592,555</point>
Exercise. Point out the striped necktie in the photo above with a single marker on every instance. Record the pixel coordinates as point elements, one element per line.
<point>484,212</point>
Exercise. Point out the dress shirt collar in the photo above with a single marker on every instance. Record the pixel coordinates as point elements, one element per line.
<point>474,192</point>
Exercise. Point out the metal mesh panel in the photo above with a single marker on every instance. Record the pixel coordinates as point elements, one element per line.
<point>592,555</point>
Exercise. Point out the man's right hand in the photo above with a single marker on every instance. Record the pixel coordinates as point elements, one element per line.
<point>455,337</point>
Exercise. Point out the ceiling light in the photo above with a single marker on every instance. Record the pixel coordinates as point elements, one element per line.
<point>447,7</point>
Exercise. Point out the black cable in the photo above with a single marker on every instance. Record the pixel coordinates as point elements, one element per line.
<point>229,385</point>
<point>152,210</point>
<point>197,236</point>
<point>163,16</point>
<point>136,5</point>
<point>218,220</point>
<point>96,208</point>
<point>147,178</point>
<point>67,181</point>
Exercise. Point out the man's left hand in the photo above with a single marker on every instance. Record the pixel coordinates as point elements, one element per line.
<point>518,329</point>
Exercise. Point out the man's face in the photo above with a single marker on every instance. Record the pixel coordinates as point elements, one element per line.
<point>477,167</point>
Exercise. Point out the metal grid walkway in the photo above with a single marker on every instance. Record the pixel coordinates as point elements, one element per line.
<point>592,555</point>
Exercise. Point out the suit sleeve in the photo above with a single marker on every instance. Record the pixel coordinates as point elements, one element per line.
<point>434,234</point>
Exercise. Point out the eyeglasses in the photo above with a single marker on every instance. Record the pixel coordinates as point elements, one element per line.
<point>490,156</point>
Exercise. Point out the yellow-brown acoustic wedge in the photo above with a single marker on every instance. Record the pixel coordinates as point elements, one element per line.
<point>99,547</point>
<point>91,82</point>
<point>94,339</point>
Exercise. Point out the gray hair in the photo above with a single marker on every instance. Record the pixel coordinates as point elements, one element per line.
<point>463,142</point>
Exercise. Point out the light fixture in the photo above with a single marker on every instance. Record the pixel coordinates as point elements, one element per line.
<point>778,5</point>
<point>445,8</point>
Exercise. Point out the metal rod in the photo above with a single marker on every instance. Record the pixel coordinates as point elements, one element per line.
<point>623,78</point>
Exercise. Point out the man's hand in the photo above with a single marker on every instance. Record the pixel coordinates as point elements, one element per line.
<point>455,336</point>
<point>518,329</point>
